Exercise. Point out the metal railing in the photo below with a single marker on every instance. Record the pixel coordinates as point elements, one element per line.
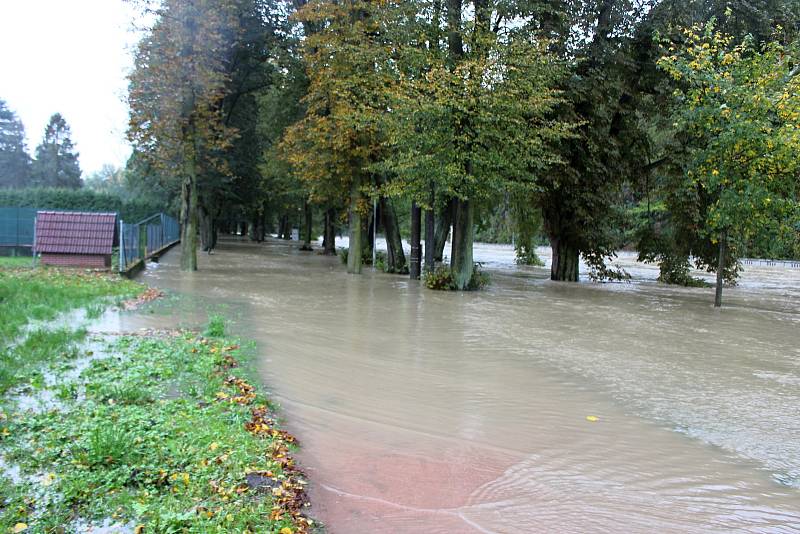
<point>139,241</point>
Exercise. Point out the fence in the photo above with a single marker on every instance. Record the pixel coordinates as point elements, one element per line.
<point>139,241</point>
<point>17,226</point>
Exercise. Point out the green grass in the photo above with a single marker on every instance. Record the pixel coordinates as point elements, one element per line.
<point>173,457</point>
<point>15,262</point>
<point>216,326</point>
<point>21,363</point>
<point>41,294</point>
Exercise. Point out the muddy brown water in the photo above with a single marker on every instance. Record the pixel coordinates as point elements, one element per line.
<point>423,411</point>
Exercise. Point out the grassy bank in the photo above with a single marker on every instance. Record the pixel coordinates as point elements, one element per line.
<point>40,294</point>
<point>149,433</point>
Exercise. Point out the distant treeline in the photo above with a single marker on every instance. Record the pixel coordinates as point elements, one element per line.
<point>79,200</point>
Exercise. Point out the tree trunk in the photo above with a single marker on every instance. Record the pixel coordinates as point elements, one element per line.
<point>395,257</point>
<point>414,265</point>
<point>443,230</point>
<point>287,229</point>
<point>356,230</point>
<point>308,228</point>
<point>369,233</point>
<point>430,237</point>
<point>566,256</point>
<point>461,264</point>
<point>207,229</point>
<point>723,250</point>
<point>189,204</point>
<point>329,241</point>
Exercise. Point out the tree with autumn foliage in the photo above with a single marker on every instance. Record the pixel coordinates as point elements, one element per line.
<point>175,96</point>
<point>338,137</point>
<point>737,114</point>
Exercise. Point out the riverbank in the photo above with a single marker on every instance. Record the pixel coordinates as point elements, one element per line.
<point>156,431</point>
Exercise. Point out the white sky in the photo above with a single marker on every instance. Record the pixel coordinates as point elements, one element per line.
<point>71,57</point>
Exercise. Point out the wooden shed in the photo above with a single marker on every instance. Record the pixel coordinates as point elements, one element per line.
<point>75,239</point>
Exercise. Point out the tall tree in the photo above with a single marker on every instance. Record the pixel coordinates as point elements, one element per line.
<point>737,113</point>
<point>56,163</point>
<point>473,116</point>
<point>176,93</point>
<point>15,164</point>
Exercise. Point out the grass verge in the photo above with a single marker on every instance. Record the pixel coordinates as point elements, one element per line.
<point>41,294</point>
<point>157,433</point>
<point>166,435</point>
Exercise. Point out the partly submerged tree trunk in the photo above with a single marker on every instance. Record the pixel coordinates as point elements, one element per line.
<point>285,228</point>
<point>723,251</point>
<point>370,227</point>
<point>430,237</point>
<point>395,257</point>
<point>329,238</point>
<point>189,204</point>
<point>258,227</point>
<point>461,264</point>
<point>566,257</point>
<point>416,252</point>
<point>356,231</point>
<point>208,228</point>
<point>308,226</point>
<point>443,230</point>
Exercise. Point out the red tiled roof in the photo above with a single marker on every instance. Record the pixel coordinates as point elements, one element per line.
<point>71,232</point>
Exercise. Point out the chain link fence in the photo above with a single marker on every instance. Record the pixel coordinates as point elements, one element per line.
<point>139,241</point>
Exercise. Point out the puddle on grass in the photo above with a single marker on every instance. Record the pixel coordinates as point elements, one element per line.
<point>46,398</point>
<point>107,526</point>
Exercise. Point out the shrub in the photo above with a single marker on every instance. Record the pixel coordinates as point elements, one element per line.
<point>216,326</point>
<point>442,278</point>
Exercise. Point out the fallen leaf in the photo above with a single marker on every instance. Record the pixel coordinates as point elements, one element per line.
<point>19,527</point>
<point>592,418</point>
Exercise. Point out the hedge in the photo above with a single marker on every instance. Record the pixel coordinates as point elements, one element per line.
<point>79,200</point>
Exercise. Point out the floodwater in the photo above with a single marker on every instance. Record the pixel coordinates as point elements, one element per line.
<point>423,411</point>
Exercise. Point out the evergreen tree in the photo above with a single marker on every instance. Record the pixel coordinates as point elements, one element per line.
<point>56,162</point>
<point>15,164</point>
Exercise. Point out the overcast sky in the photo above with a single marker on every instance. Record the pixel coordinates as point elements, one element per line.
<point>71,57</point>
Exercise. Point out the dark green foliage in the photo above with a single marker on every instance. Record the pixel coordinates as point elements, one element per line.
<point>216,326</point>
<point>56,163</point>
<point>441,278</point>
<point>79,200</point>
<point>15,164</point>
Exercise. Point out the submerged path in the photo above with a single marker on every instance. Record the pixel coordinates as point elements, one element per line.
<point>424,411</point>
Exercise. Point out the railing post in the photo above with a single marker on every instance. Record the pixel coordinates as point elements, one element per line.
<point>121,247</point>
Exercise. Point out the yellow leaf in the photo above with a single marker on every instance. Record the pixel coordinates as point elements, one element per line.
<point>214,446</point>
<point>48,479</point>
<point>19,527</point>
<point>139,529</point>
<point>592,418</point>
<point>286,530</point>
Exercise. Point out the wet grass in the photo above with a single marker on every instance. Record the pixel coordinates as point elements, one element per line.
<point>21,364</point>
<point>41,294</point>
<point>170,436</point>
<point>162,432</point>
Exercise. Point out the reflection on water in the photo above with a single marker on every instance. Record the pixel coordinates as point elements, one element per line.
<point>445,412</point>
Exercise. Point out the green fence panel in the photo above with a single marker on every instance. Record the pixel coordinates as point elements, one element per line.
<point>17,226</point>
